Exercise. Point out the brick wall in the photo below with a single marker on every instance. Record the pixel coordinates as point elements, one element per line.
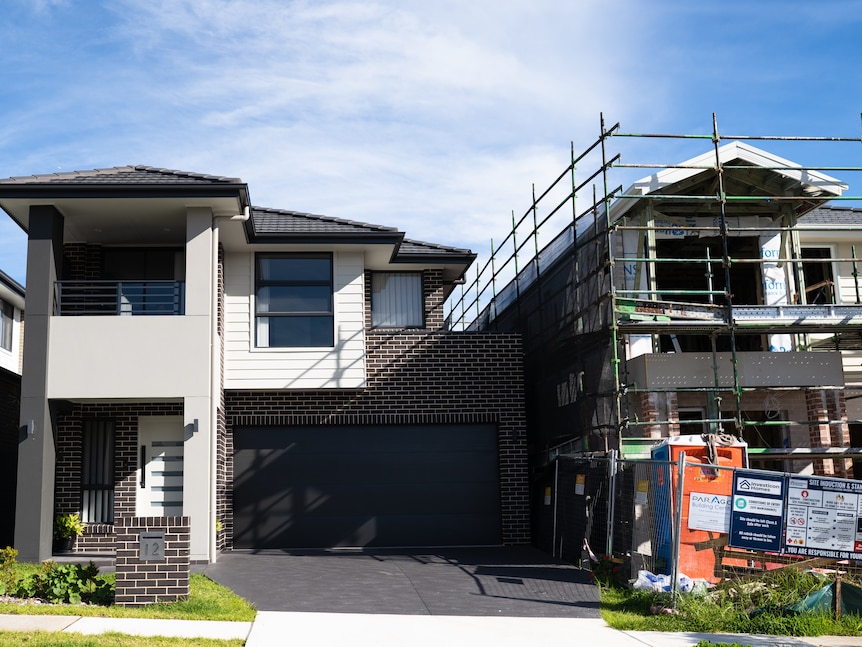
<point>827,412</point>
<point>67,489</point>
<point>139,582</point>
<point>421,377</point>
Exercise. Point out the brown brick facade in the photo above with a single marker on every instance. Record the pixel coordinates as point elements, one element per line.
<point>414,376</point>
<point>421,377</point>
<point>827,413</point>
<point>67,489</point>
<point>145,582</point>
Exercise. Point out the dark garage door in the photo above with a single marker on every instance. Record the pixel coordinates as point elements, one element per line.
<point>316,487</point>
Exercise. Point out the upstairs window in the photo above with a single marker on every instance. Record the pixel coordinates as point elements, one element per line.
<point>396,300</point>
<point>294,300</point>
<point>7,316</point>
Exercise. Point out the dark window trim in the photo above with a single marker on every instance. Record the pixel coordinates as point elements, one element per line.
<point>260,283</point>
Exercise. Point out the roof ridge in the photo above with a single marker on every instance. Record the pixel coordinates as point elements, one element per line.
<point>115,170</point>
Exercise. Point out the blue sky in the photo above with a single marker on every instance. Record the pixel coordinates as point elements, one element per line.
<point>433,116</point>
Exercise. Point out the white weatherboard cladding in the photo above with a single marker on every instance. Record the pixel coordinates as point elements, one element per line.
<point>342,366</point>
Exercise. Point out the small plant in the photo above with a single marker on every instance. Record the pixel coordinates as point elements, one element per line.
<point>68,526</point>
<point>609,572</point>
<point>70,583</point>
<point>8,571</point>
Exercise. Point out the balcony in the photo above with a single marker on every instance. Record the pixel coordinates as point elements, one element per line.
<point>119,298</point>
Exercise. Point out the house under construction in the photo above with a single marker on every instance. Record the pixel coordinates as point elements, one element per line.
<point>716,295</point>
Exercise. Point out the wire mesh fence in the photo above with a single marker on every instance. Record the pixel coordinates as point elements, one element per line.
<point>673,517</point>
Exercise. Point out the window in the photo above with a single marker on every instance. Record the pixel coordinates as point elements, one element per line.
<point>294,300</point>
<point>97,472</point>
<point>7,316</point>
<point>819,282</point>
<point>396,300</point>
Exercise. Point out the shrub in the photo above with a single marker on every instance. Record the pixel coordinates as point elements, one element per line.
<point>72,583</point>
<point>609,572</point>
<point>8,573</point>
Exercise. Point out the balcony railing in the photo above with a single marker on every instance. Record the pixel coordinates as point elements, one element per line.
<point>116,298</point>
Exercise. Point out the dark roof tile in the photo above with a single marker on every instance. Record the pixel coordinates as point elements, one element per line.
<point>832,215</point>
<point>128,175</point>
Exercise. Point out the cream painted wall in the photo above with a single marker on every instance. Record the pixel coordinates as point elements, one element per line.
<point>343,366</point>
<point>128,357</point>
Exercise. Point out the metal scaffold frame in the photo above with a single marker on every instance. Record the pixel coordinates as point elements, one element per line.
<point>588,273</point>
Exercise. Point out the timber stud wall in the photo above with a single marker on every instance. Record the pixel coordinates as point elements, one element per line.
<point>140,583</point>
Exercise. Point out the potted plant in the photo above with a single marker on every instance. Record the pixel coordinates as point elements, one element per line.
<point>67,528</point>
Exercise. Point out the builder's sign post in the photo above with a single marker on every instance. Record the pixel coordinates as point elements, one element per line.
<point>757,511</point>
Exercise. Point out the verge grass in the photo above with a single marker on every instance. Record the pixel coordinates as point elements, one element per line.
<point>757,606</point>
<point>60,639</point>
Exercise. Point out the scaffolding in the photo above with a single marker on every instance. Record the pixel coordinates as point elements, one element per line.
<point>664,307</point>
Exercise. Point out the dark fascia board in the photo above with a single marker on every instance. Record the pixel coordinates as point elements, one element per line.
<point>49,191</point>
<point>12,284</point>
<point>442,258</point>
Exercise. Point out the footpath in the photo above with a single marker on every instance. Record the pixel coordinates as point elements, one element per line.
<point>272,628</point>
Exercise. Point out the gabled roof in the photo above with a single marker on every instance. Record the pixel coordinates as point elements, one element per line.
<point>748,171</point>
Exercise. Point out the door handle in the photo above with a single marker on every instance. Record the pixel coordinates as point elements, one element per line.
<point>143,466</point>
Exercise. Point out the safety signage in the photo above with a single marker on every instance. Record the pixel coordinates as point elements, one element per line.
<point>824,518</point>
<point>757,510</point>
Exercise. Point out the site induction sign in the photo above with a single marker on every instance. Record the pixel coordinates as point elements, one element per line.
<point>824,517</point>
<point>757,511</point>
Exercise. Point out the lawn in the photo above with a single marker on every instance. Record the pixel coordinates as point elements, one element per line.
<point>58,639</point>
<point>207,601</point>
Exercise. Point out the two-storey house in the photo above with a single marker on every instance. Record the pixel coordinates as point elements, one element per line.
<point>286,380</point>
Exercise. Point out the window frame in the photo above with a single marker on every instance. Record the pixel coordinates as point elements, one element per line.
<point>420,305</point>
<point>7,325</point>
<point>98,467</point>
<point>260,282</point>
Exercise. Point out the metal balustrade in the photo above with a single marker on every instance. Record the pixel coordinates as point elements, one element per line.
<point>118,298</point>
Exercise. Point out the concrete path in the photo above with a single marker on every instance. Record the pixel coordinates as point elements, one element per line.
<point>383,630</point>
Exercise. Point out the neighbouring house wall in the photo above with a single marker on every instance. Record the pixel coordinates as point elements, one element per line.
<point>67,496</point>
<point>420,377</point>
<point>10,403</point>
<point>248,367</point>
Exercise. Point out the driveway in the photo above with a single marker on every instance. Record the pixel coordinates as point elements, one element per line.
<point>515,582</point>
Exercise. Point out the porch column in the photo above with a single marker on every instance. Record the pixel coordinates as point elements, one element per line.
<point>34,510</point>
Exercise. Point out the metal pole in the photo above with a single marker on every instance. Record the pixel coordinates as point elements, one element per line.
<point>612,497</point>
<point>677,527</point>
<point>556,499</point>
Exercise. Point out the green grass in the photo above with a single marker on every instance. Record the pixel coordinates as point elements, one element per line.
<point>59,639</point>
<point>207,601</point>
<point>728,607</point>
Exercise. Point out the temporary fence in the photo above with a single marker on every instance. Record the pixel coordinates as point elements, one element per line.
<point>699,520</point>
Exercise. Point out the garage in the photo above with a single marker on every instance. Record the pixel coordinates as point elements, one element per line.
<point>358,486</point>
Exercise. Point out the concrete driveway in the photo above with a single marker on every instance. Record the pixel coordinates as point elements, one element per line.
<point>507,581</point>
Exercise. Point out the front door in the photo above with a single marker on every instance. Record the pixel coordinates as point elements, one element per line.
<point>160,466</point>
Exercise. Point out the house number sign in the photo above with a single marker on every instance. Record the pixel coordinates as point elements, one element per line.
<point>152,547</point>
